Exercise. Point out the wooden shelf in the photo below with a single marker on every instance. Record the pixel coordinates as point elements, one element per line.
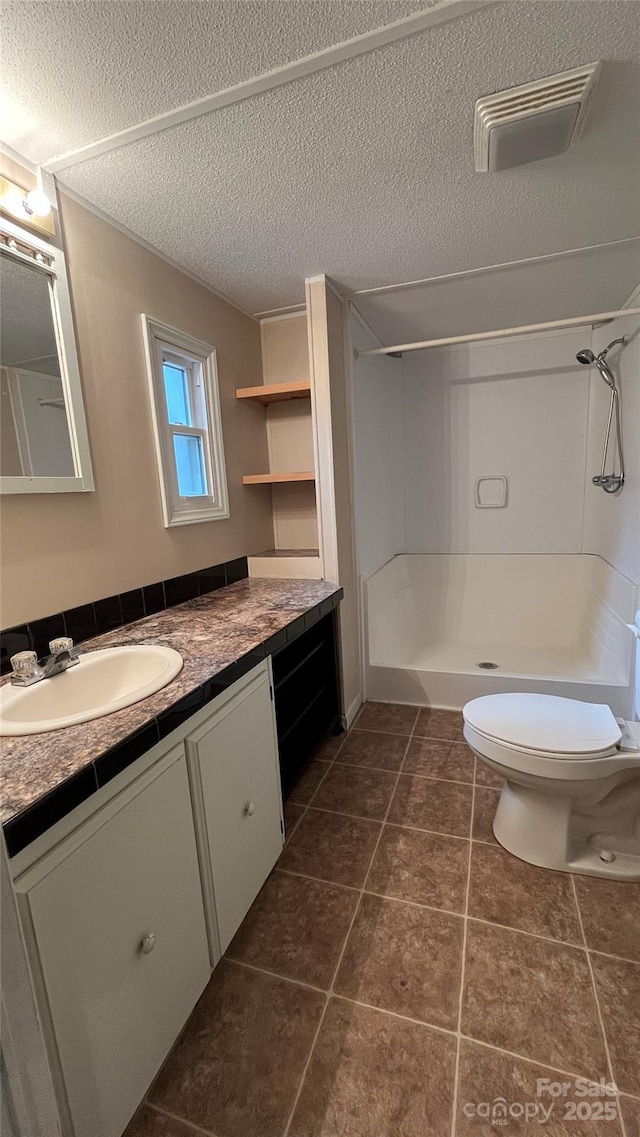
<point>267,393</point>
<point>271,479</point>
<point>287,564</point>
<point>276,554</point>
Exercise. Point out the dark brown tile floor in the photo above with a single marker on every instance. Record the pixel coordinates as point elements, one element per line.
<point>401,975</point>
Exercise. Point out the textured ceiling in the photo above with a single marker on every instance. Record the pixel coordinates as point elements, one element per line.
<point>585,283</point>
<point>363,171</point>
<point>95,67</point>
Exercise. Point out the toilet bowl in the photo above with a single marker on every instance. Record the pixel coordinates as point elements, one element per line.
<point>571,799</point>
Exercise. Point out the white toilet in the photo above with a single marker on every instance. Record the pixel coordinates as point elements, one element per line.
<point>571,799</point>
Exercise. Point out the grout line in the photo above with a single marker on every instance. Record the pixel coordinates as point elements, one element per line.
<point>436,738</point>
<point>276,975</point>
<point>415,903</point>
<point>304,809</point>
<point>289,832</point>
<point>435,778</point>
<point>400,770</point>
<point>330,992</point>
<point>479,841</point>
<point>367,730</point>
<point>394,1014</point>
<point>456,1075</point>
<point>343,813</point>
<point>597,1003</point>
<point>339,813</point>
<point>317,879</point>
<point>621,958</point>
<point>395,824</point>
<point>394,733</point>
<point>306,1067</point>
<point>431,832</point>
<point>527,1058</point>
<point>523,932</point>
<point>196,1129</point>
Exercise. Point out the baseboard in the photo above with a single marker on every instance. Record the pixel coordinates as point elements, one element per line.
<point>351,712</point>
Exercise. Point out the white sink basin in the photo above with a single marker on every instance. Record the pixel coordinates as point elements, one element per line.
<point>102,682</point>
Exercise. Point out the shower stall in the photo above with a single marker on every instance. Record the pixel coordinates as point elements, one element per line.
<point>490,559</point>
<point>445,629</point>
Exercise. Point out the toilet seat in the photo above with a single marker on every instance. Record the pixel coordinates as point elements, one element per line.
<point>547,736</point>
<point>545,725</point>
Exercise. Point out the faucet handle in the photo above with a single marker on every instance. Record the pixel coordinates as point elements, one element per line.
<point>63,643</point>
<point>25,665</point>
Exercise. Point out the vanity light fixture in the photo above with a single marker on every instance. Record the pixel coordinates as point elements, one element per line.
<point>33,207</point>
<point>37,204</point>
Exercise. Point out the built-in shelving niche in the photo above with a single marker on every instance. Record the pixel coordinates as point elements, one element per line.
<point>267,393</point>
<point>285,393</point>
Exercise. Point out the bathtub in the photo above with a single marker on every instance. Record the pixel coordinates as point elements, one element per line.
<point>555,624</point>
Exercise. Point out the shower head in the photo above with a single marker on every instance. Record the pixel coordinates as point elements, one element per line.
<point>607,349</point>
<point>586,356</point>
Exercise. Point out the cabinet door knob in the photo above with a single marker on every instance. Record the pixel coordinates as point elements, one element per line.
<point>249,809</point>
<point>147,943</point>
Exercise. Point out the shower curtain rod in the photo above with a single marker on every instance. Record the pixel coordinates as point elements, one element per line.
<point>502,333</point>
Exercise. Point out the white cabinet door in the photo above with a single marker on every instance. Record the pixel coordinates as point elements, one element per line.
<point>233,761</point>
<point>118,997</point>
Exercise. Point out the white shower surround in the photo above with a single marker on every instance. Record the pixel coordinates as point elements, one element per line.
<point>555,624</point>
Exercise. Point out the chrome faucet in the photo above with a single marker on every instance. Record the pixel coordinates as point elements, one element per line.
<point>27,670</point>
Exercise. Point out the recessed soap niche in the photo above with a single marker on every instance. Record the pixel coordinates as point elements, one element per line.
<point>491,491</point>
<point>285,393</point>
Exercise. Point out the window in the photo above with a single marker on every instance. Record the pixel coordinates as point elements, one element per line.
<point>183,385</point>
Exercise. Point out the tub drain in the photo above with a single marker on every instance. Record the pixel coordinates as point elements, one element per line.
<point>487,665</point>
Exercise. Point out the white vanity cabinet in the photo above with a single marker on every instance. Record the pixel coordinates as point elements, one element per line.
<point>235,776</point>
<point>115,928</point>
<point>127,904</point>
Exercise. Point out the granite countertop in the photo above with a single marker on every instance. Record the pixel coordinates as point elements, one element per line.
<point>212,633</point>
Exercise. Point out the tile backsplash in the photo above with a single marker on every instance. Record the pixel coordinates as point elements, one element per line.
<point>114,611</point>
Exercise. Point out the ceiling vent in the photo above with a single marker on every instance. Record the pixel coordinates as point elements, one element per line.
<point>534,121</point>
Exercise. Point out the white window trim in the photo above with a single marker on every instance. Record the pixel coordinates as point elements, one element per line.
<point>179,510</point>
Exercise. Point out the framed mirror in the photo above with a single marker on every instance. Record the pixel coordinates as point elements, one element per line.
<point>44,447</point>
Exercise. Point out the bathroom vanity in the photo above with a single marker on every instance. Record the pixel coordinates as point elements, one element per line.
<point>129,900</point>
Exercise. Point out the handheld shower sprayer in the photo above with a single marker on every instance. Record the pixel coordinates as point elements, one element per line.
<point>610,483</point>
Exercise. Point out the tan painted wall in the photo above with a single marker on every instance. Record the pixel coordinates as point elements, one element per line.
<point>65,549</point>
<point>284,349</point>
<point>285,357</point>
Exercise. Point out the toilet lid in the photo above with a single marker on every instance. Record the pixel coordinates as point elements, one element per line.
<point>546,724</point>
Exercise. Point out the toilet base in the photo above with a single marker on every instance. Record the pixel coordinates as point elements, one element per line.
<point>555,833</point>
